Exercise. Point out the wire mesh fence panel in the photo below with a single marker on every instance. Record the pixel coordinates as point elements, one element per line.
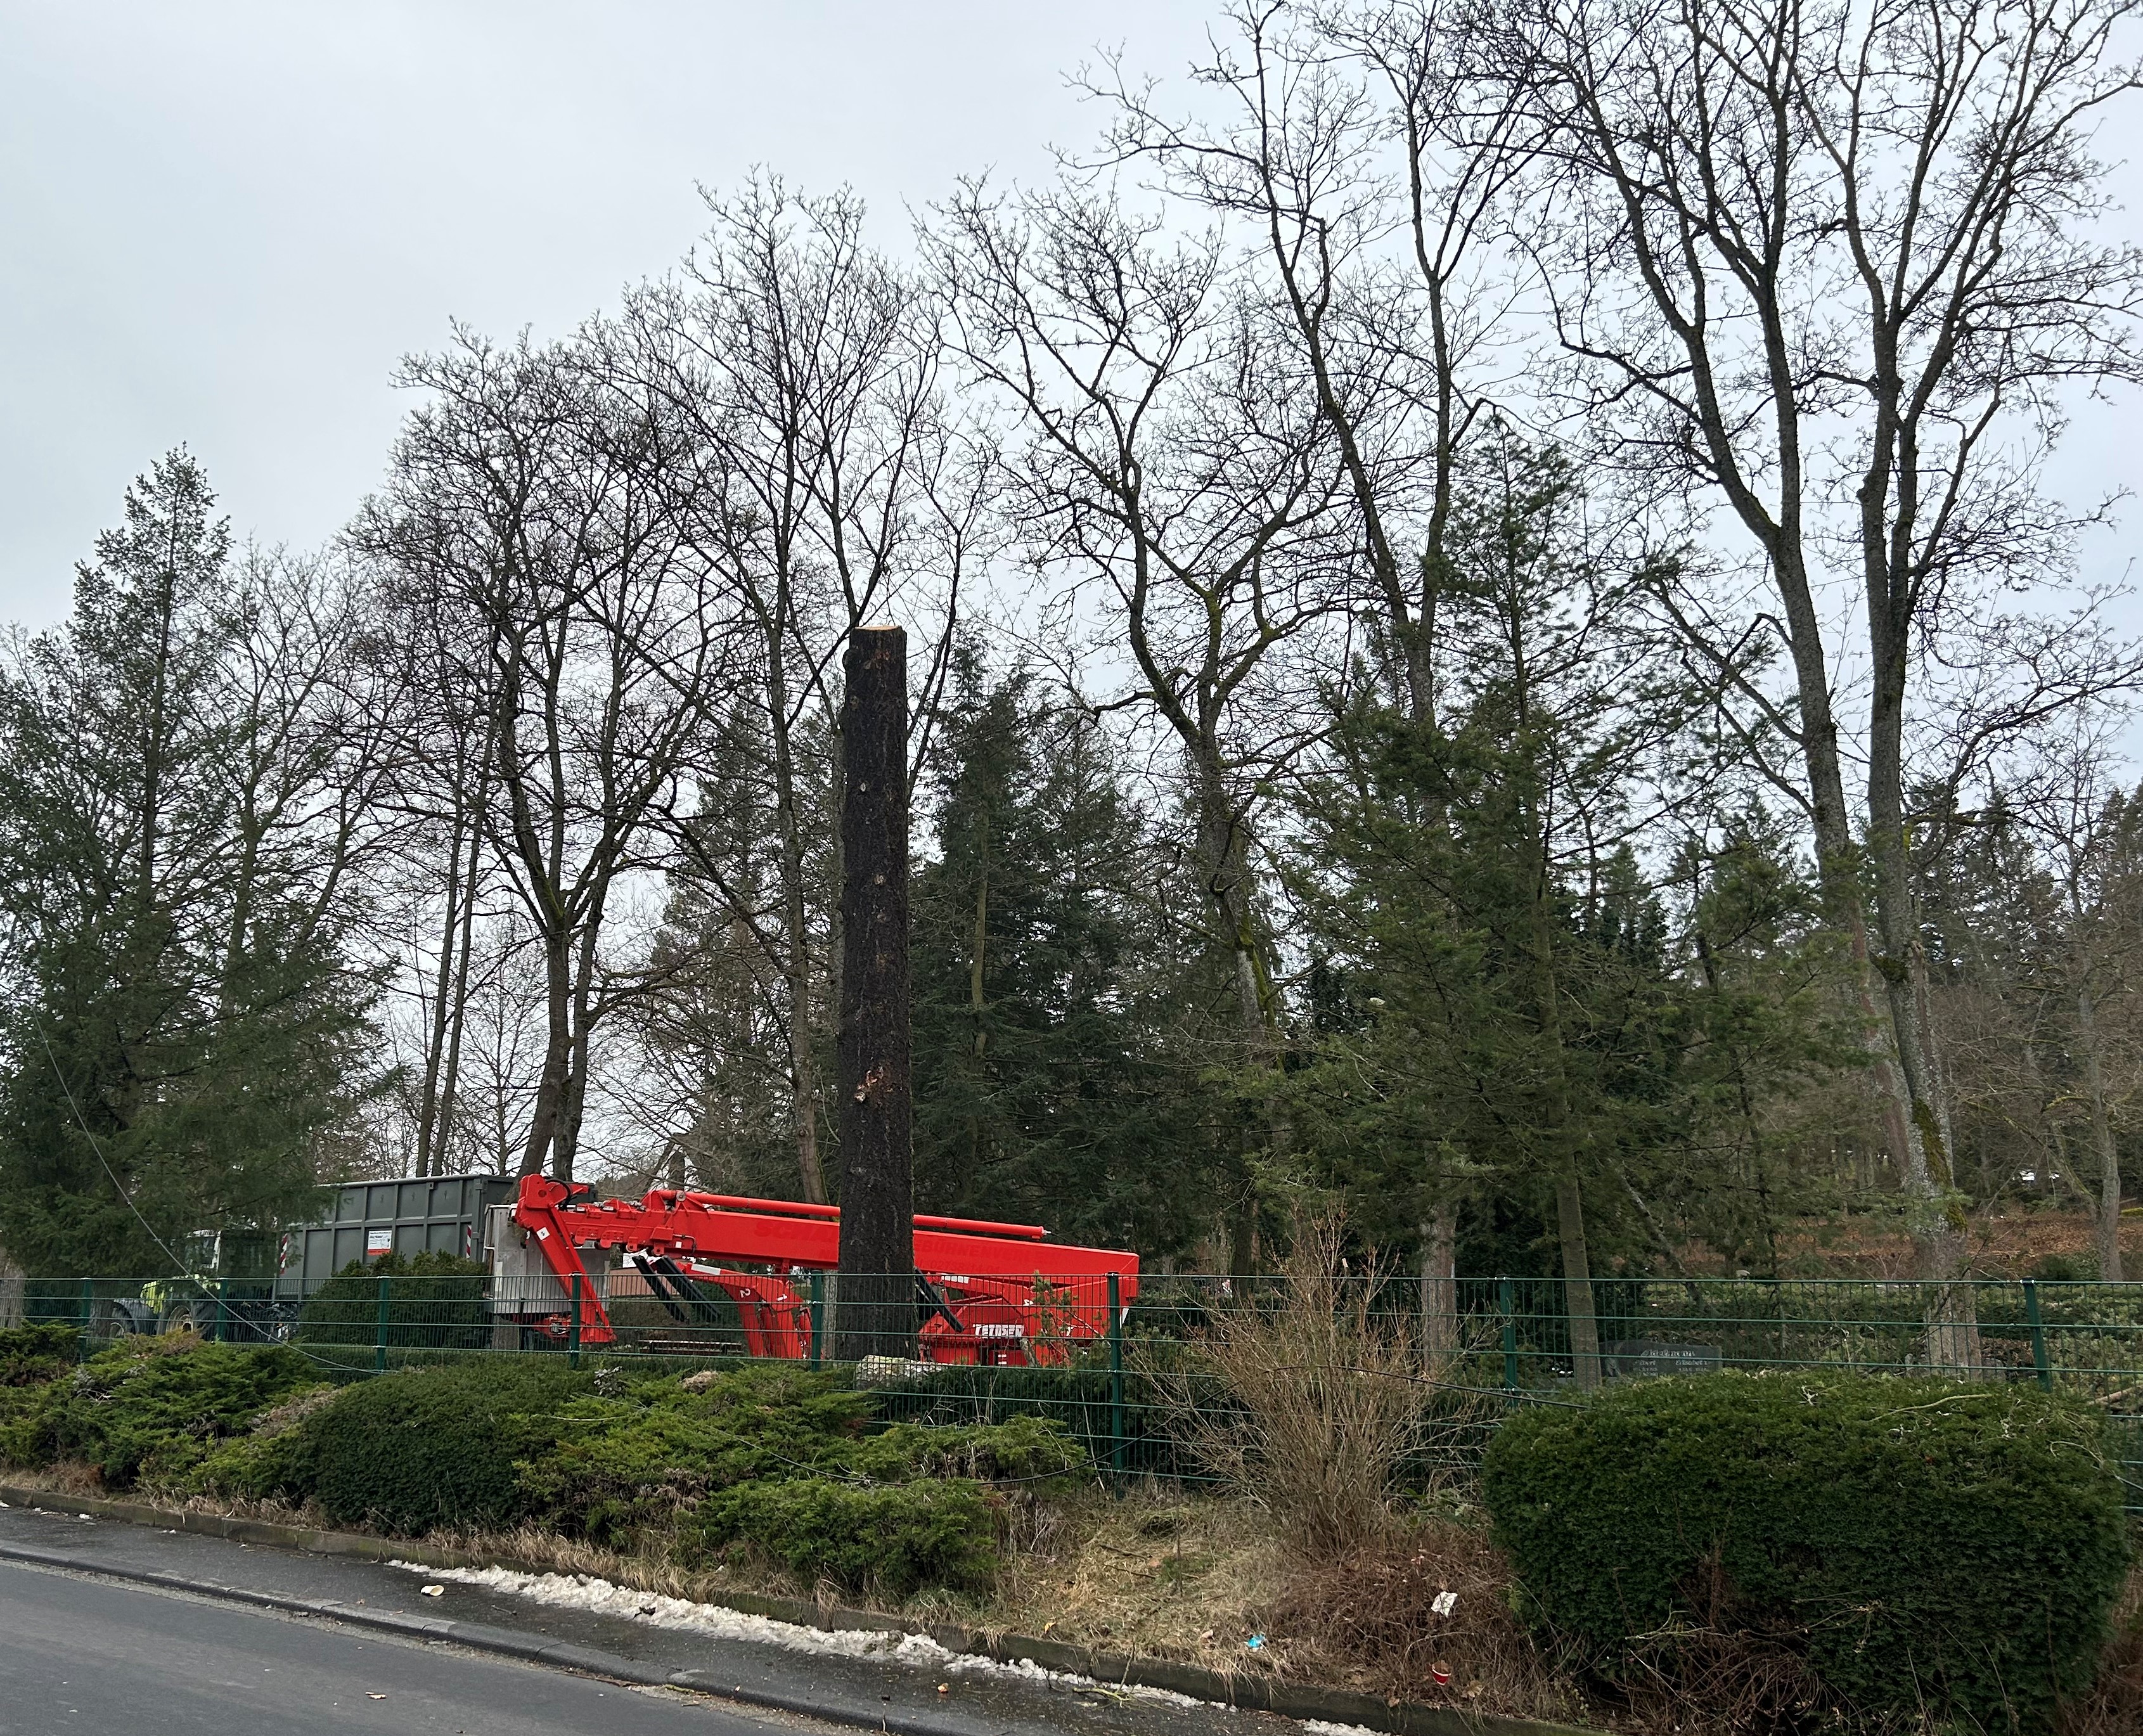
<point>1177,1376</point>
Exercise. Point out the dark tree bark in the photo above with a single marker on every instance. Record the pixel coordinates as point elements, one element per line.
<point>876,1315</point>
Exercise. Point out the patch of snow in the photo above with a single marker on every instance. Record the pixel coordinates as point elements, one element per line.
<point>1319,1726</point>
<point>601,1597</point>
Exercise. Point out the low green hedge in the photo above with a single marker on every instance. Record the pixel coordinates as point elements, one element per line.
<point>435,1302</point>
<point>1930,1544</point>
<point>150,1409</point>
<point>623,1462</point>
<point>1077,1398</point>
<point>891,1539</point>
<point>32,1355</point>
<point>433,1448</point>
<point>717,1468</point>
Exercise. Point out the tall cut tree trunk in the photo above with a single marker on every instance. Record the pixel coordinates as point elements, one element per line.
<point>877,1308</point>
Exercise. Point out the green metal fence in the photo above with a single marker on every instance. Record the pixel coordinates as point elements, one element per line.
<point>1133,1382</point>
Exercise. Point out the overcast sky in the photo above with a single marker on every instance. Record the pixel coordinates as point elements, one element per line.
<point>222,224</point>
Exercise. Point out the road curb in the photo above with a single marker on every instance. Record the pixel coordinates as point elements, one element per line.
<point>1262,1693</point>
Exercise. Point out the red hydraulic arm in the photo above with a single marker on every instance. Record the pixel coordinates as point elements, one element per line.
<point>997,1293</point>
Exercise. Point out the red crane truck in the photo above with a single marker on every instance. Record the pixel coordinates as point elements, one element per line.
<point>985,1292</point>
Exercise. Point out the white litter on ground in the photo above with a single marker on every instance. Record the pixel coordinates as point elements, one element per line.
<point>583,1591</point>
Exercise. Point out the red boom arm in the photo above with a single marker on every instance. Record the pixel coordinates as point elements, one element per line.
<point>997,1292</point>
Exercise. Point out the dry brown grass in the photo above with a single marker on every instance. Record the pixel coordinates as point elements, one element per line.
<point>1368,1618</point>
<point>1712,1673</point>
<point>2004,1239</point>
<point>1328,1400</point>
<point>649,1568</point>
<point>1150,1573</point>
<point>62,1479</point>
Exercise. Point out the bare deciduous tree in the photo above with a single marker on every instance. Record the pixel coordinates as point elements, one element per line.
<point>550,509</point>
<point>1168,468</point>
<point>840,489</point>
<point>1830,265</point>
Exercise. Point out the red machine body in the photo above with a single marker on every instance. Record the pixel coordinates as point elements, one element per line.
<point>996,1292</point>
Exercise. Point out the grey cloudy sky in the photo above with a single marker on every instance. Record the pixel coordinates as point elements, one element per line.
<point>223,223</point>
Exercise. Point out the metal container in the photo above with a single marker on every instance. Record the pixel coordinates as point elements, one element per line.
<point>419,1214</point>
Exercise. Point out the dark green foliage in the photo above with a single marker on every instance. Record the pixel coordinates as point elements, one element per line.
<point>1494,1008</point>
<point>892,1539</point>
<point>149,1409</point>
<point>437,1446</point>
<point>1075,1399</point>
<point>32,1355</point>
<point>624,1462</point>
<point>1053,1080</point>
<point>278,1459</point>
<point>618,1463</point>
<point>435,1302</point>
<point>777,1461</point>
<point>1021,1450</point>
<point>183,1015</point>
<point>1925,1541</point>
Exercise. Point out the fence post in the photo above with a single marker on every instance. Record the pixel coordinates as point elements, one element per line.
<point>1116,1387</point>
<point>380,1333</point>
<point>2038,1335</point>
<point>1504,1307</point>
<point>88,1313</point>
<point>573,1343</point>
<point>815,1288</point>
<point>220,1331</point>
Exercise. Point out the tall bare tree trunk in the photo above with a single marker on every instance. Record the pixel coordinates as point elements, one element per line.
<point>1439,1290</point>
<point>2101,1133</point>
<point>550,1107</point>
<point>1578,1281</point>
<point>450,1077</point>
<point>795,922</point>
<point>1224,860</point>
<point>435,1041</point>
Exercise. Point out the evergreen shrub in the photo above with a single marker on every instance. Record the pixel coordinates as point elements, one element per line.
<point>625,1461</point>
<point>277,1459</point>
<point>428,1447</point>
<point>890,1539</point>
<point>436,1302</point>
<point>32,1355</point>
<point>149,1409</point>
<point>1077,1398</point>
<point>1023,1449</point>
<point>622,1460</point>
<point>1929,1544</point>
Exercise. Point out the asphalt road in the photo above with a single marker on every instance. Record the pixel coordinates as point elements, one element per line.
<point>88,1655</point>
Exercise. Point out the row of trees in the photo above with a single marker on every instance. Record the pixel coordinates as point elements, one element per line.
<point>1492,642</point>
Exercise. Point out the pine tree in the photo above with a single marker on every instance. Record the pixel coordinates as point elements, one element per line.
<point>1512,1024</point>
<point>1053,1081</point>
<point>180,1024</point>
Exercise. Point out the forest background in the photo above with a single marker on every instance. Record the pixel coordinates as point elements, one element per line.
<point>1492,648</point>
